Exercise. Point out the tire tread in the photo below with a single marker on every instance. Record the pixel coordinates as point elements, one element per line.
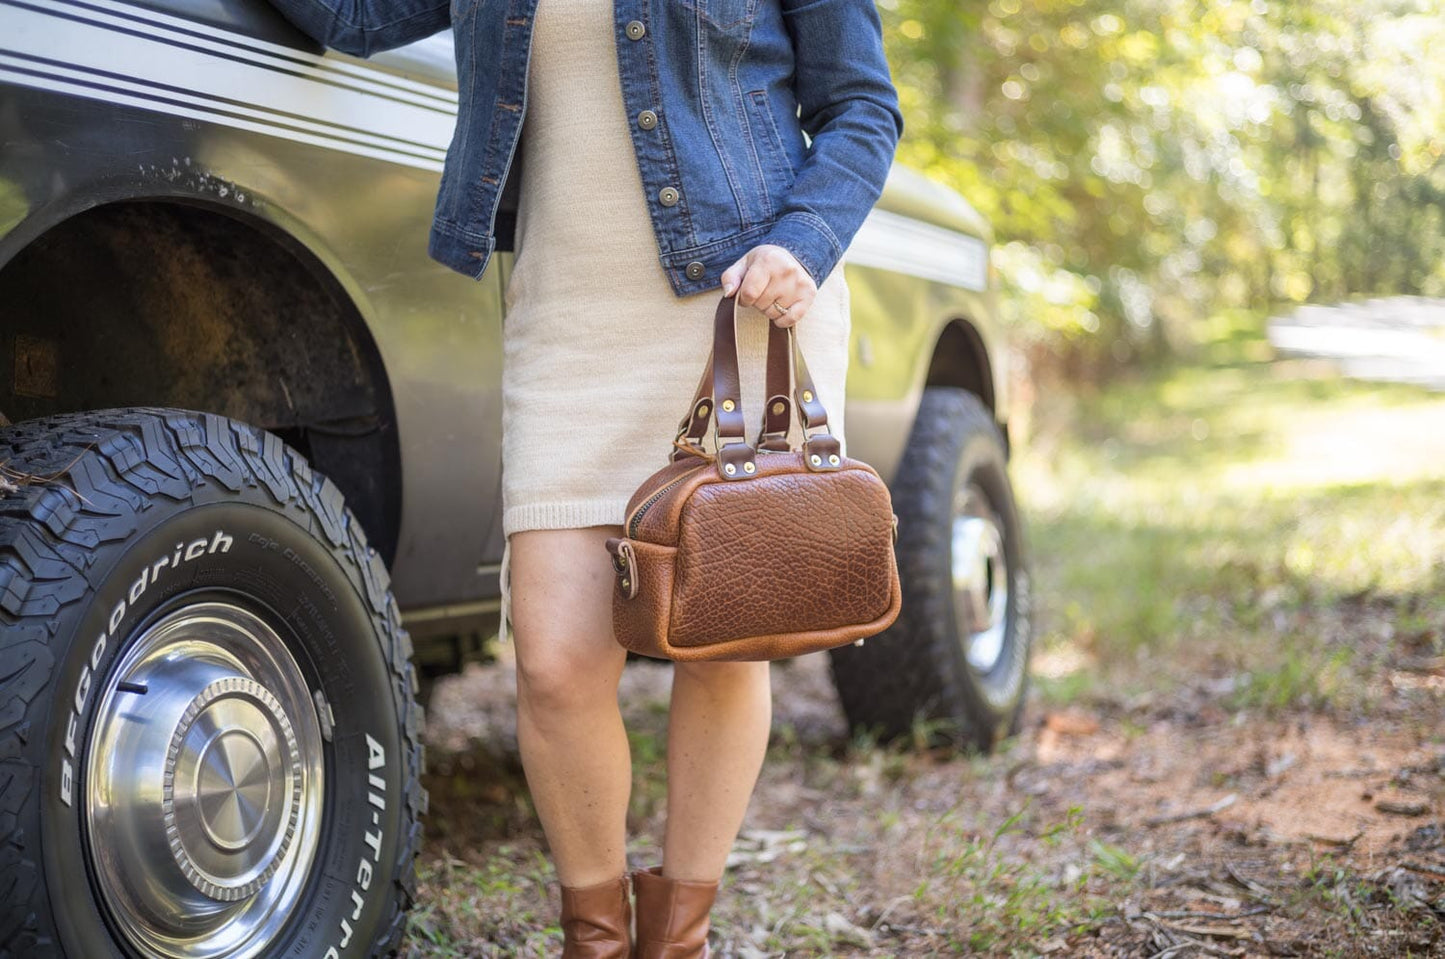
<point>92,474</point>
<point>905,674</point>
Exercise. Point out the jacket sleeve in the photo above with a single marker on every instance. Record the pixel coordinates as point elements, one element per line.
<point>364,27</point>
<point>849,109</point>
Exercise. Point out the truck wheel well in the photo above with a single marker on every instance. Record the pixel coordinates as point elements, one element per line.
<point>162,303</point>
<point>960,359</point>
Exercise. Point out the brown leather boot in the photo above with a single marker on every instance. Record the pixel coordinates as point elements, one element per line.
<point>672,915</point>
<point>597,921</point>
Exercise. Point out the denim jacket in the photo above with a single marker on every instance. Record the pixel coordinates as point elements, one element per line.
<point>719,95</point>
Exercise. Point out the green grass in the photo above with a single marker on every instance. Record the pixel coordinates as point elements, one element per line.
<point>1206,515</point>
<point>982,883</point>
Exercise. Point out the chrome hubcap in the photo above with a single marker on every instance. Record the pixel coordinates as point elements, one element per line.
<point>228,815</point>
<point>204,786</point>
<point>980,579</point>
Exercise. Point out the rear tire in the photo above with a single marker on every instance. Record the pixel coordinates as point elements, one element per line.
<point>954,664</point>
<point>208,732</point>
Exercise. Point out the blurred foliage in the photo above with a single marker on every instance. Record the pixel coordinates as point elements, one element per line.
<point>1150,163</point>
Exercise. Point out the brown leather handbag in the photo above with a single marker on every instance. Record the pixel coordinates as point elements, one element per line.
<point>758,551</point>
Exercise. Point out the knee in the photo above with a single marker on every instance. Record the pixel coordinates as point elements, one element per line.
<point>558,679</point>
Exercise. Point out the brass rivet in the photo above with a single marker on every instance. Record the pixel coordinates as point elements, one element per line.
<point>729,469</point>
<point>778,407</point>
<point>702,410</point>
<point>749,467</point>
<point>833,458</point>
<point>626,583</point>
<point>728,406</point>
<point>807,396</point>
<point>816,460</point>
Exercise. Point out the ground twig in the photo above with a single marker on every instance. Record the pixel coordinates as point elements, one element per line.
<point>1202,813</point>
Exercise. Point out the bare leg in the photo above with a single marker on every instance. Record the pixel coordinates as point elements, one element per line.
<point>717,735</point>
<point>569,728</point>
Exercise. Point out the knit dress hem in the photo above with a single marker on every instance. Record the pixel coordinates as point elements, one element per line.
<point>566,514</point>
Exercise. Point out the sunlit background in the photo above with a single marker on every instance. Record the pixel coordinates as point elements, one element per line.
<point>1154,168</point>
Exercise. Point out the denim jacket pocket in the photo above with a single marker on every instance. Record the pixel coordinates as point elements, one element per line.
<point>774,164</point>
<point>724,14</point>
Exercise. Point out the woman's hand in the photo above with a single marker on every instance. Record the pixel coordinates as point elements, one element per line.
<point>770,279</point>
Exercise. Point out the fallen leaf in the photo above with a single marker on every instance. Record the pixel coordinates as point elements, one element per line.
<point>1071,723</point>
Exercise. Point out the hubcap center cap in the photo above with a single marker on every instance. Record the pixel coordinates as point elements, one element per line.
<point>980,580</point>
<point>978,548</point>
<point>234,780</point>
<point>231,793</point>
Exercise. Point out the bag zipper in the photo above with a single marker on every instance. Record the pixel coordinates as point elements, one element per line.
<point>648,503</point>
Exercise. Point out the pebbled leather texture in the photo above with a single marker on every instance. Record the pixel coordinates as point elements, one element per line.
<point>640,622</point>
<point>789,551</point>
<point>791,555</point>
<point>747,581</point>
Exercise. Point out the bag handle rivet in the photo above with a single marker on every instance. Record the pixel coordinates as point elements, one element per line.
<point>807,396</point>
<point>729,469</point>
<point>749,467</point>
<point>728,406</point>
<point>833,458</point>
<point>816,460</point>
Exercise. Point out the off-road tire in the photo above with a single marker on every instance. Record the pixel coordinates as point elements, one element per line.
<point>915,676</point>
<point>86,498</point>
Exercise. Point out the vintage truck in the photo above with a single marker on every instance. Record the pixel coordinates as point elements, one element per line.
<point>249,477</point>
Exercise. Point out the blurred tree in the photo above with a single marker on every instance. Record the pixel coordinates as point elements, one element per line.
<point>1152,164</point>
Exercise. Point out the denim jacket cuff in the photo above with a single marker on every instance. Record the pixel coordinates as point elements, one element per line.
<point>809,239</point>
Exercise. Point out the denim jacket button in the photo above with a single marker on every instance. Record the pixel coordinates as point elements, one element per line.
<point>668,196</point>
<point>635,30</point>
<point>647,119</point>
<point>695,270</point>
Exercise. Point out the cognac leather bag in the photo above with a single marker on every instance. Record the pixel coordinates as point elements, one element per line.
<point>758,551</point>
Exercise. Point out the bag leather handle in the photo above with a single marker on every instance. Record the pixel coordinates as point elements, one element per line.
<point>719,398</point>
<point>780,405</point>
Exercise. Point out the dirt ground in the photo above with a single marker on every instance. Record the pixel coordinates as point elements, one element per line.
<point>1234,745</point>
<point>1163,826</point>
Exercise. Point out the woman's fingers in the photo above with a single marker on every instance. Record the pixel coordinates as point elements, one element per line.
<point>798,302</point>
<point>769,275</point>
<point>733,275</point>
<point>754,273</point>
<point>798,307</point>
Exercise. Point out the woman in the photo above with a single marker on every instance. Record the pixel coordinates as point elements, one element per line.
<point>660,154</point>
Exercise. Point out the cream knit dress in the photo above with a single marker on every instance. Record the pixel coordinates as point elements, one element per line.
<point>600,357</point>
